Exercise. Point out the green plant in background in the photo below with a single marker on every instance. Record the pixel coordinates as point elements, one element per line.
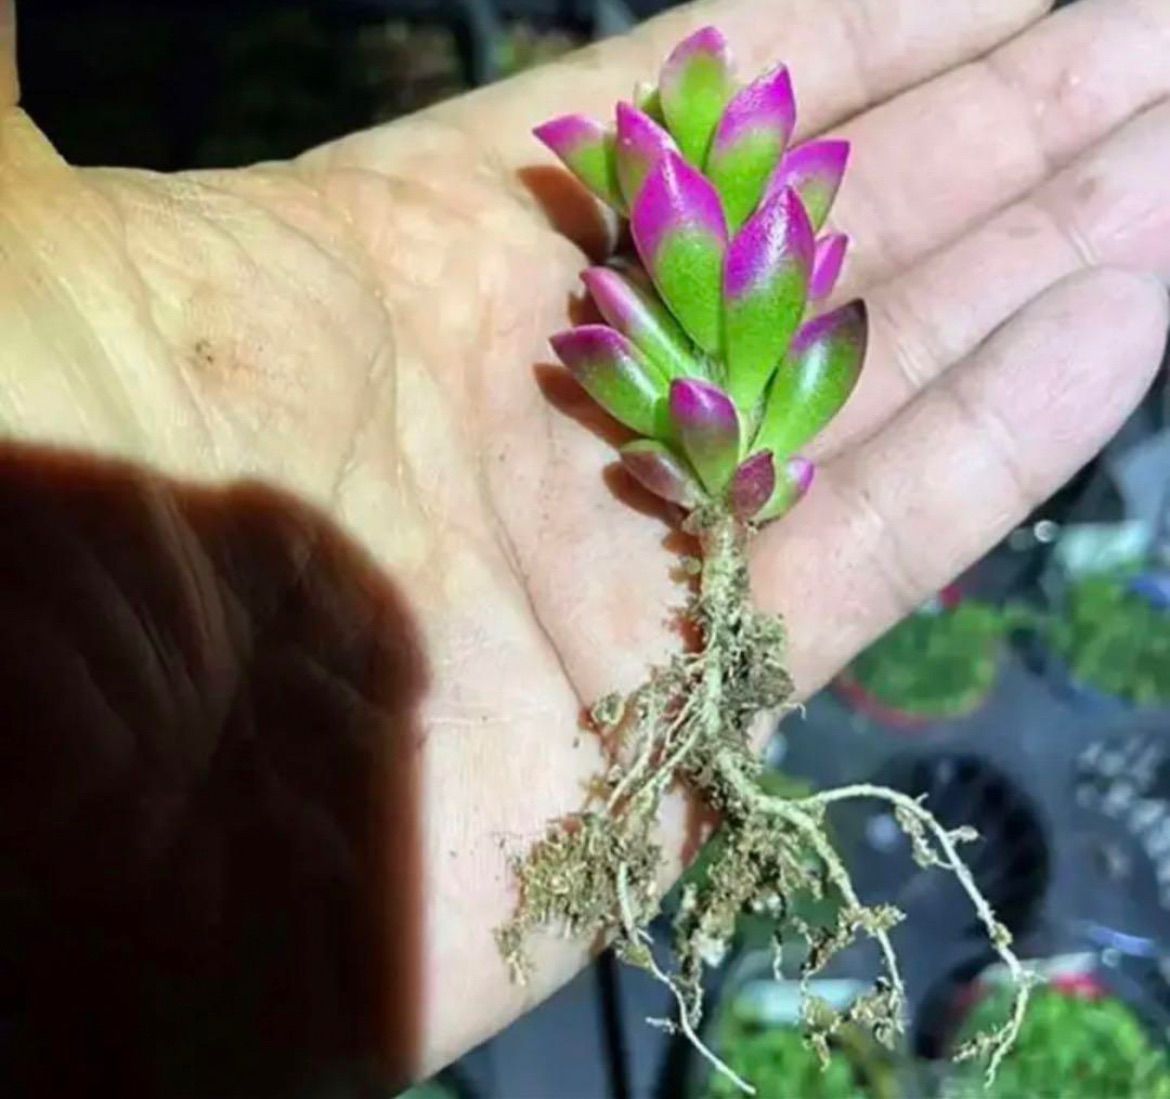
<point>783,1064</point>
<point>936,664</point>
<point>1114,641</point>
<point>524,47</point>
<point>1071,1046</point>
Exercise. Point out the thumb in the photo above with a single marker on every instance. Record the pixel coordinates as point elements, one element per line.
<point>21,143</point>
<point>9,85</point>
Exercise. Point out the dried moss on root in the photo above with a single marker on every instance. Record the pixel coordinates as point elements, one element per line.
<point>596,873</point>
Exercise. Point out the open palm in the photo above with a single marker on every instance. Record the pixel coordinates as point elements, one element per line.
<point>305,409</point>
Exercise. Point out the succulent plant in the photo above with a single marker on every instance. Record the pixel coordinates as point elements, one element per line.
<point>1115,640</point>
<point>714,351</point>
<point>1074,1042</point>
<point>717,351</point>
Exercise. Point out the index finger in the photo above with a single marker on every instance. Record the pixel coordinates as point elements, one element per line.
<point>8,85</point>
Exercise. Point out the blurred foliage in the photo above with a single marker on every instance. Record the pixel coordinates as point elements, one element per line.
<point>524,47</point>
<point>937,664</point>
<point>1114,641</point>
<point>780,1064</point>
<point>1071,1046</point>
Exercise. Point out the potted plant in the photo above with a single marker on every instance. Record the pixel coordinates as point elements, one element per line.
<point>938,664</point>
<point>1077,1039</point>
<point>1110,645</point>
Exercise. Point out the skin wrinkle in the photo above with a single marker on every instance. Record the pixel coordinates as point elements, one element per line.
<point>82,665</point>
<point>1078,243</point>
<point>1004,81</point>
<point>855,21</point>
<point>119,411</point>
<point>368,418</point>
<point>182,539</point>
<point>917,363</point>
<point>362,275</point>
<point>198,404</point>
<point>864,208</point>
<point>548,636</point>
<point>986,423</point>
<point>896,567</point>
<point>355,256</point>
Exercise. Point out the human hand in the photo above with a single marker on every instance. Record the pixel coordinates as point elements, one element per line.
<point>436,556</point>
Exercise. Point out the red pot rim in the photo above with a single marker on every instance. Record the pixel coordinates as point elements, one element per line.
<point>1084,986</point>
<point>850,688</point>
<point>1087,986</point>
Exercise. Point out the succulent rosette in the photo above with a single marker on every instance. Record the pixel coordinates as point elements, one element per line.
<point>715,349</point>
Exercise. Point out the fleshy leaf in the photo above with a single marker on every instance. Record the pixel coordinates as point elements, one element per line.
<point>612,371</point>
<point>765,288</point>
<point>752,485</point>
<point>815,170</point>
<point>628,302</point>
<point>827,265</point>
<point>647,100</point>
<point>815,379</point>
<point>641,144</point>
<point>588,150</point>
<point>681,236</point>
<point>792,484</point>
<point>695,85</point>
<point>657,468</point>
<point>750,139</point>
<point>708,428</point>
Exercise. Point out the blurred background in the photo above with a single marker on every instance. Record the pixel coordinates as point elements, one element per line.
<point>1030,700</point>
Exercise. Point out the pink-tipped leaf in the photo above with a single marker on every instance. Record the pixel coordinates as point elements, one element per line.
<point>827,264</point>
<point>695,85</point>
<point>588,150</point>
<point>765,288</point>
<point>749,141</point>
<point>615,374</point>
<point>707,425</point>
<point>815,379</point>
<point>657,468</point>
<point>681,236</point>
<point>752,485</point>
<point>641,144</point>
<point>814,170</point>
<point>628,302</point>
<point>793,481</point>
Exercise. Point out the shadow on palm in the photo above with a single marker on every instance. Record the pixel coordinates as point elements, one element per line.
<point>211,825</point>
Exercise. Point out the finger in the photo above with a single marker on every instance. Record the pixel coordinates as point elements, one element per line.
<point>845,55</point>
<point>896,518</point>
<point>9,90</point>
<point>938,159</point>
<point>1110,208</point>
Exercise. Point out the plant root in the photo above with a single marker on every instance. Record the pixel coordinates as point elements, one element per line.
<point>597,872</point>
